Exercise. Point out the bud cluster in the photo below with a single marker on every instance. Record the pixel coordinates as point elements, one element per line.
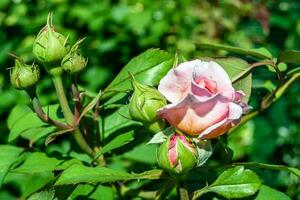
<point>52,50</point>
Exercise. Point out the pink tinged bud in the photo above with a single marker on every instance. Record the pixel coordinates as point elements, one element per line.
<point>177,155</point>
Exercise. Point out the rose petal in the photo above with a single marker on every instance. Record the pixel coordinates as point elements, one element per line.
<point>235,113</point>
<point>238,95</point>
<point>215,130</point>
<point>177,83</point>
<point>201,92</point>
<point>214,72</point>
<point>172,150</point>
<point>193,115</point>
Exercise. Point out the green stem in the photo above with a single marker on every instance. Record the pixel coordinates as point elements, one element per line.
<point>165,189</point>
<point>199,193</point>
<point>184,194</point>
<point>69,115</point>
<point>63,99</point>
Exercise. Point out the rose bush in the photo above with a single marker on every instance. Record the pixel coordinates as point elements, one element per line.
<point>203,101</point>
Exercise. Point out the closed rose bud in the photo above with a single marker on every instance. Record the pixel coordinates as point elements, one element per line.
<point>144,103</point>
<point>177,154</point>
<point>24,76</point>
<point>74,62</point>
<point>50,47</point>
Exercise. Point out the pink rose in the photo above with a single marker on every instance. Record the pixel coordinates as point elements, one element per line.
<point>203,101</point>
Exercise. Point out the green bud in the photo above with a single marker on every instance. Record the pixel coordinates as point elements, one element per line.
<point>177,154</point>
<point>50,47</point>
<point>24,76</point>
<point>74,62</point>
<point>144,103</point>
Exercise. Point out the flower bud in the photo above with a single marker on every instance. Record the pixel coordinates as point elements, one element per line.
<point>144,103</point>
<point>177,154</point>
<point>23,76</point>
<point>50,47</point>
<point>74,62</point>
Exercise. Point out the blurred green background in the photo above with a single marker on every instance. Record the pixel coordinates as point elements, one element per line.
<point>118,30</point>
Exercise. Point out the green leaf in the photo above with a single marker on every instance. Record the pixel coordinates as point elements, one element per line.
<point>44,195</point>
<point>29,183</point>
<point>83,174</point>
<point>8,155</point>
<point>282,66</point>
<point>138,154</point>
<point>148,68</point>
<point>261,53</point>
<point>161,136</point>
<point>91,105</point>
<point>266,193</point>
<point>30,120</point>
<point>293,71</point>
<point>204,150</point>
<point>117,142</point>
<point>236,183</point>
<point>98,192</point>
<point>38,162</point>
<point>234,67</point>
<point>292,170</point>
<point>34,134</point>
<point>117,120</point>
<point>289,56</point>
<point>67,164</point>
<point>16,113</point>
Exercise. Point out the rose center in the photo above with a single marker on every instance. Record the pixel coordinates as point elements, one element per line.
<point>210,85</point>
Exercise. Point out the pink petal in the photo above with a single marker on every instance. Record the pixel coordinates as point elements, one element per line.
<point>177,83</point>
<point>235,111</point>
<point>238,96</point>
<point>172,150</point>
<point>200,91</point>
<point>234,115</point>
<point>214,72</point>
<point>193,115</point>
<point>215,130</point>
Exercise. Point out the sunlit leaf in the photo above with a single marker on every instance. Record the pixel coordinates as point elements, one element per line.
<point>44,195</point>
<point>83,174</point>
<point>267,193</point>
<point>37,163</point>
<point>261,53</point>
<point>8,155</point>
<point>148,68</point>
<point>290,56</point>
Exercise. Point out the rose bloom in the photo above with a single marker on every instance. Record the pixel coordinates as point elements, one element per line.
<point>203,101</point>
